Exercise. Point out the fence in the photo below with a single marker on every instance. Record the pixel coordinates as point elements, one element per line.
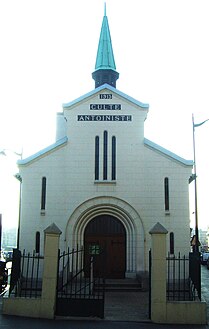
<point>183,278</point>
<point>79,291</point>
<point>195,272</point>
<point>26,274</point>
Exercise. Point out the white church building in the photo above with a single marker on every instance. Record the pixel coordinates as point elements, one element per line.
<point>102,182</point>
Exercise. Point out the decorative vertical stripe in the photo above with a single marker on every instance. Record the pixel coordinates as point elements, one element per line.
<point>166,191</point>
<point>37,246</point>
<point>105,150</point>
<point>113,158</point>
<point>97,158</point>
<point>43,194</point>
<point>171,243</point>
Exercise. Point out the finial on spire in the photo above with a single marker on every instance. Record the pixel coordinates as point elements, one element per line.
<point>105,69</point>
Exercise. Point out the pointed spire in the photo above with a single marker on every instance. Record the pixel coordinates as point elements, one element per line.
<point>105,68</point>
<point>105,58</point>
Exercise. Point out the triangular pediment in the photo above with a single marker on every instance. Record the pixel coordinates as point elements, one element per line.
<point>106,89</point>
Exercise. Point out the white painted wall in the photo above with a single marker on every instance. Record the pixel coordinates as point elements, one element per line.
<point>69,170</point>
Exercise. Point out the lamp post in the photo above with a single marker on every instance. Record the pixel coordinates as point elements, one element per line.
<point>4,152</point>
<point>196,245</point>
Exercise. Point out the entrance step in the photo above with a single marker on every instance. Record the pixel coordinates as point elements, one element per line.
<point>120,285</point>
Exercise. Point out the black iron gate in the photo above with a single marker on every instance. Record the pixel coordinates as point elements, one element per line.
<point>79,293</point>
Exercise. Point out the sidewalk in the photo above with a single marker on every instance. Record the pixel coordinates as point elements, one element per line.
<point>117,314</point>
<point>117,308</point>
<point>12,322</point>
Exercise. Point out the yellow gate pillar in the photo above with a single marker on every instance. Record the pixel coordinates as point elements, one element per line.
<point>158,274</point>
<point>49,284</point>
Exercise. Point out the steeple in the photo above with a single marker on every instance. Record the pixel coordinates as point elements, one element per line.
<point>105,68</point>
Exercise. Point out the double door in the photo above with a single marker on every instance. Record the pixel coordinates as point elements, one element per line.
<point>108,254</point>
<point>105,242</point>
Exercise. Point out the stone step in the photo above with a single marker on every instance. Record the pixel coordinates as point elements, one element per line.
<point>120,285</point>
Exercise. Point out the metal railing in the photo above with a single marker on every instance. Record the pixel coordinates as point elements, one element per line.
<point>195,272</point>
<point>180,279</point>
<point>26,275</point>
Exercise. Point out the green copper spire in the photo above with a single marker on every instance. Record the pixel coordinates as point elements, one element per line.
<point>105,68</point>
<point>105,57</point>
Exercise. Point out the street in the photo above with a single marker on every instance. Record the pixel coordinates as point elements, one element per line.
<point>9,322</point>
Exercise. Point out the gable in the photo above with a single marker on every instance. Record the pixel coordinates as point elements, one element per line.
<point>106,90</point>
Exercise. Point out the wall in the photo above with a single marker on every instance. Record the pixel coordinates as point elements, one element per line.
<point>140,179</point>
<point>186,312</point>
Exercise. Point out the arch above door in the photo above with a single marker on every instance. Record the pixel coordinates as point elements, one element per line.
<point>125,213</point>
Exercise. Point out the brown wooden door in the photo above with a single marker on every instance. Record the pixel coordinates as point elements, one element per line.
<point>105,240</point>
<point>117,256</point>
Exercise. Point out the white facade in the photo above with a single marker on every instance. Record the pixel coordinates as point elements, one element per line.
<point>135,196</point>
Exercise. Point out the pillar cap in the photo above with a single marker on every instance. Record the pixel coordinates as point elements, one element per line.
<point>158,229</point>
<point>53,229</point>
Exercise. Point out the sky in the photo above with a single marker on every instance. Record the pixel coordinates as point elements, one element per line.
<point>48,52</point>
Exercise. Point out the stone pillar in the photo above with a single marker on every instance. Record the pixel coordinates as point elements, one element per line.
<point>49,284</point>
<point>158,274</point>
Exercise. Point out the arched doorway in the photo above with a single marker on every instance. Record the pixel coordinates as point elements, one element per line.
<point>105,238</point>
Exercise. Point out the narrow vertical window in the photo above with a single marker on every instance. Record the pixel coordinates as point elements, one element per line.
<point>166,190</point>
<point>105,149</point>
<point>171,243</point>
<point>37,246</point>
<point>113,158</point>
<point>43,194</point>
<point>96,157</point>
